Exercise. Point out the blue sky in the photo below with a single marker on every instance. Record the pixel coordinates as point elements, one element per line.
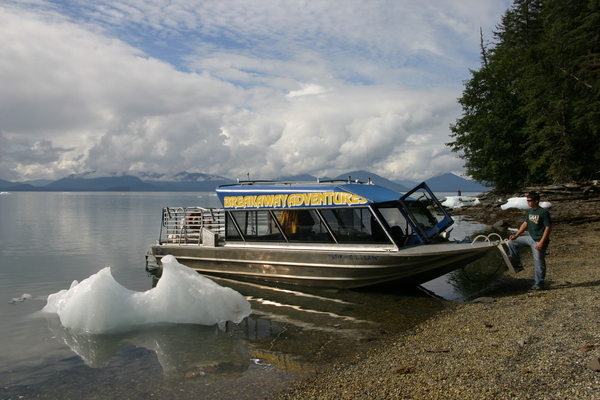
<point>227,87</point>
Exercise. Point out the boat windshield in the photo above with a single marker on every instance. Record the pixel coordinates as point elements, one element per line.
<point>399,227</point>
<point>425,212</point>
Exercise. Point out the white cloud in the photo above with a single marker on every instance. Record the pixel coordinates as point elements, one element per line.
<point>230,87</point>
<point>308,89</point>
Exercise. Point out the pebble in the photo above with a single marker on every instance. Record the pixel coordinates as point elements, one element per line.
<point>484,300</point>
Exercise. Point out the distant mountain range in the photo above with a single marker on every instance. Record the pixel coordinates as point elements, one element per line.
<point>449,182</point>
<point>198,182</point>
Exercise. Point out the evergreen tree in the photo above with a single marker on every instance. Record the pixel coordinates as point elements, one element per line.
<point>531,114</point>
<point>488,139</point>
<point>561,92</point>
<point>491,133</point>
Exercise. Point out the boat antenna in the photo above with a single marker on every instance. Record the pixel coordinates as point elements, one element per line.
<point>248,175</point>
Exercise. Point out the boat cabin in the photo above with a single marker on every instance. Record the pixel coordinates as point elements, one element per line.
<point>336,212</point>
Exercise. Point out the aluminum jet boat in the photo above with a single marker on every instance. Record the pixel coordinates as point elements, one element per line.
<point>338,234</point>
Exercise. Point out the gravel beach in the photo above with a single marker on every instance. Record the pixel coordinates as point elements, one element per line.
<point>508,343</point>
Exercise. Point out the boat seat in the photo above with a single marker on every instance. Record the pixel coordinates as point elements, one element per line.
<point>399,236</point>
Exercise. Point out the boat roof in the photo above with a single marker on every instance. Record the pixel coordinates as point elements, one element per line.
<point>281,195</point>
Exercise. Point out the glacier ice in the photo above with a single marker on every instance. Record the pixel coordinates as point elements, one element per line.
<point>521,203</point>
<point>99,304</point>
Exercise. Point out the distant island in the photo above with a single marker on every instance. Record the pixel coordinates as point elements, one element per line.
<point>199,182</point>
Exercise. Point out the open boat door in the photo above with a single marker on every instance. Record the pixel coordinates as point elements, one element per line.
<point>425,213</point>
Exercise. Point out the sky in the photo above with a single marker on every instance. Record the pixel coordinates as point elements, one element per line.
<point>268,88</point>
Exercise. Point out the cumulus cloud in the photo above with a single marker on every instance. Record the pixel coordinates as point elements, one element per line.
<point>270,88</point>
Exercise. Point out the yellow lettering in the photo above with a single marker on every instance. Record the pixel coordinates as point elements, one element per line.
<point>329,198</point>
<point>306,199</point>
<point>293,200</point>
<point>281,199</point>
<point>317,199</point>
<point>268,200</point>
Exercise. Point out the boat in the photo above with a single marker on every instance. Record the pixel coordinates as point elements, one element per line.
<point>336,234</point>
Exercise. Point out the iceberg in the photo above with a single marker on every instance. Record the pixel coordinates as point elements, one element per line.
<point>460,201</point>
<point>521,204</point>
<point>99,304</point>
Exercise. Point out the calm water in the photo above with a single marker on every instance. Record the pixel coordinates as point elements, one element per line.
<point>47,240</point>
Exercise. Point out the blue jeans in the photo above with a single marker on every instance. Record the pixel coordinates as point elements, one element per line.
<point>539,256</point>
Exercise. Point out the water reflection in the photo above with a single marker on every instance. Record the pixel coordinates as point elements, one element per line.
<point>469,280</point>
<point>183,350</point>
<point>476,276</point>
<point>289,330</point>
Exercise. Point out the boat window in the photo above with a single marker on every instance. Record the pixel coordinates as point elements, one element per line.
<point>354,225</point>
<point>425,212</point>
<point>422,215</point>
<point>303,226</point>
<point>255,226</point>
<point>399,227</point>
<point>231,232</point>
<point>424,209</point>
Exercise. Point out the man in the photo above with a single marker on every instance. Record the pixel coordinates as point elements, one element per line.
<point>538,222</point>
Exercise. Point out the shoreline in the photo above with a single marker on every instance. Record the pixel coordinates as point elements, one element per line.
<point>511,344</point>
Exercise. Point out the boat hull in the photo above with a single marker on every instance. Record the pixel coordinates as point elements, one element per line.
<point>326,267</point>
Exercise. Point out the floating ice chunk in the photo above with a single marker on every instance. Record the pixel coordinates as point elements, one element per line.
<point>521,203</point>
<point>451,201</point>
<point>24,296</point>
<point>515,202</point>
<point>99,304</point>
<point>460,201</point>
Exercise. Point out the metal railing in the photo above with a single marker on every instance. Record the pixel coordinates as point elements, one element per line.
<point>500,243</point>
<point>185,225</point>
